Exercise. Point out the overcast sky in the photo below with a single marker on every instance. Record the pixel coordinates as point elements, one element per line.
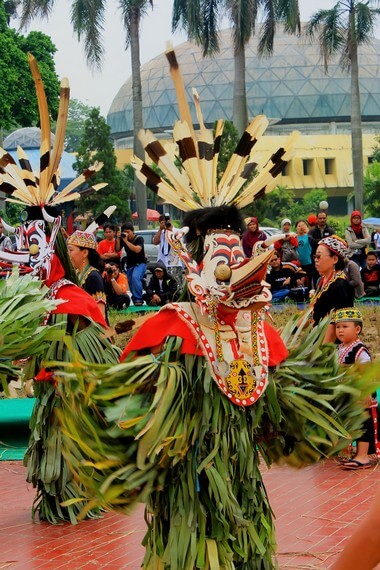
<point>99,88</point>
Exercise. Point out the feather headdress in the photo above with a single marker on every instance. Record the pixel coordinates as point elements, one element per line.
<point>194,183</point>
<point>19,182</point>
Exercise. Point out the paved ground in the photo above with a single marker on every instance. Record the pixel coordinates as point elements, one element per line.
<point>316,510</point>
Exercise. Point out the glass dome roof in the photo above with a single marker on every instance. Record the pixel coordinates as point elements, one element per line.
<point>29,138</point>
<point>290,86</point>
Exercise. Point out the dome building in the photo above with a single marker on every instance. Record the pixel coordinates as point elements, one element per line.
<point>291,87</point>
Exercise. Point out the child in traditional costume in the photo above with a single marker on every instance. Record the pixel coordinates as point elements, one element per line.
<point>351,350</point>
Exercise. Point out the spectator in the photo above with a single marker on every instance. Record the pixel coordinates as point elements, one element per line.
<point>370,275</point>
<point>300,292</point>
<point>287,247</point>
<point>134,260</point>
<point>312,220</point>
<point>116,286</point>
<point>376,239</point>
<point>305,249</point>
<point>161,288</point>
<point>357,238</point>
<point>333,289</point>
<point>88,265</point>
<point>166,254</point>
<point>252,235</point>
<point>352,272</point>
<point>320,231</point>
<point>106,247</point>
<point>281,279</point>
<point>5,241</point>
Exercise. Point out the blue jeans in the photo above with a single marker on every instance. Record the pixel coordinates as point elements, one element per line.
<point>135,276</point>
<point>280,294</point>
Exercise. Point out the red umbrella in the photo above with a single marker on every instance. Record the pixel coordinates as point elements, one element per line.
<point>151,215</point>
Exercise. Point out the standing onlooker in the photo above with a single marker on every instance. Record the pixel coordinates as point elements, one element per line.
<point>106,247</point>
<point>88,265</point>
<point>376,239</point>
<point>287,247</point>
<point>116,286</point>
<point>161,288</point>
<point>166,254</point>
<point>305,249</point>
<point>371,275</point>
<point>333,289</point>
<point>312,221</point>
<point>5,241</point>
<point>357,238</point>
<point>352,272</point>
<point>135,263</point>
<point>251,236</point>
<point>320,231</point>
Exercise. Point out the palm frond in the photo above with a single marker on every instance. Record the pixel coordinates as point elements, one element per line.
<point>88,20</point>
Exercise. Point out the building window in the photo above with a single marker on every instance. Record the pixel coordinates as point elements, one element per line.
<point>329,165</point>
<point>307,165</point>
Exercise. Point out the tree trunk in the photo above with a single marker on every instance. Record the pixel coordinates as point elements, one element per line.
<point>356,133</point>
<point>240,111</point>
<point>140,190</point>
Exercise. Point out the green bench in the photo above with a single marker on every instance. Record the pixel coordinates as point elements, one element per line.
<point>14,427</point>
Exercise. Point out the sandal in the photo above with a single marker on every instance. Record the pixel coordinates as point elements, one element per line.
<point>354,464</point>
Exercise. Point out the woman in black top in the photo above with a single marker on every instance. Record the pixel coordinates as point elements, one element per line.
<point>333,289</point>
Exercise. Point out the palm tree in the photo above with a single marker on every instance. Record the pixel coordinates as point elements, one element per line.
<point>87,19</point>
<point>10,7</point>
<point>343,29</point>
<point>201,21</point>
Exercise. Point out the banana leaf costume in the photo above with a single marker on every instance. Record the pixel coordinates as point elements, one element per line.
<point>71,315</point>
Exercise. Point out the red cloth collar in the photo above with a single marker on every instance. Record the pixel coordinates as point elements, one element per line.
<point>167,323</point>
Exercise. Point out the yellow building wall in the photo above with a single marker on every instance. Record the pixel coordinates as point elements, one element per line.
<point>308,168</point>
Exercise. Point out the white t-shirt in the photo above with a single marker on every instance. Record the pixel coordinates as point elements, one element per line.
<point>166,253</point>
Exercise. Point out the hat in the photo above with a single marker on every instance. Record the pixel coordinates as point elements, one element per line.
<point>347,315</point>
<point>82,239</point>
<point>286,221</point>
<point>312,219</point>
<point>337,245</point>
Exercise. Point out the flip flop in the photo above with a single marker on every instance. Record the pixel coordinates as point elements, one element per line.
<point>353,464</point>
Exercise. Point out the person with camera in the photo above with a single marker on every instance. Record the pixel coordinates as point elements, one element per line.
<point>134,260</point>
<point>116,286</point>
<point>165,251</point>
